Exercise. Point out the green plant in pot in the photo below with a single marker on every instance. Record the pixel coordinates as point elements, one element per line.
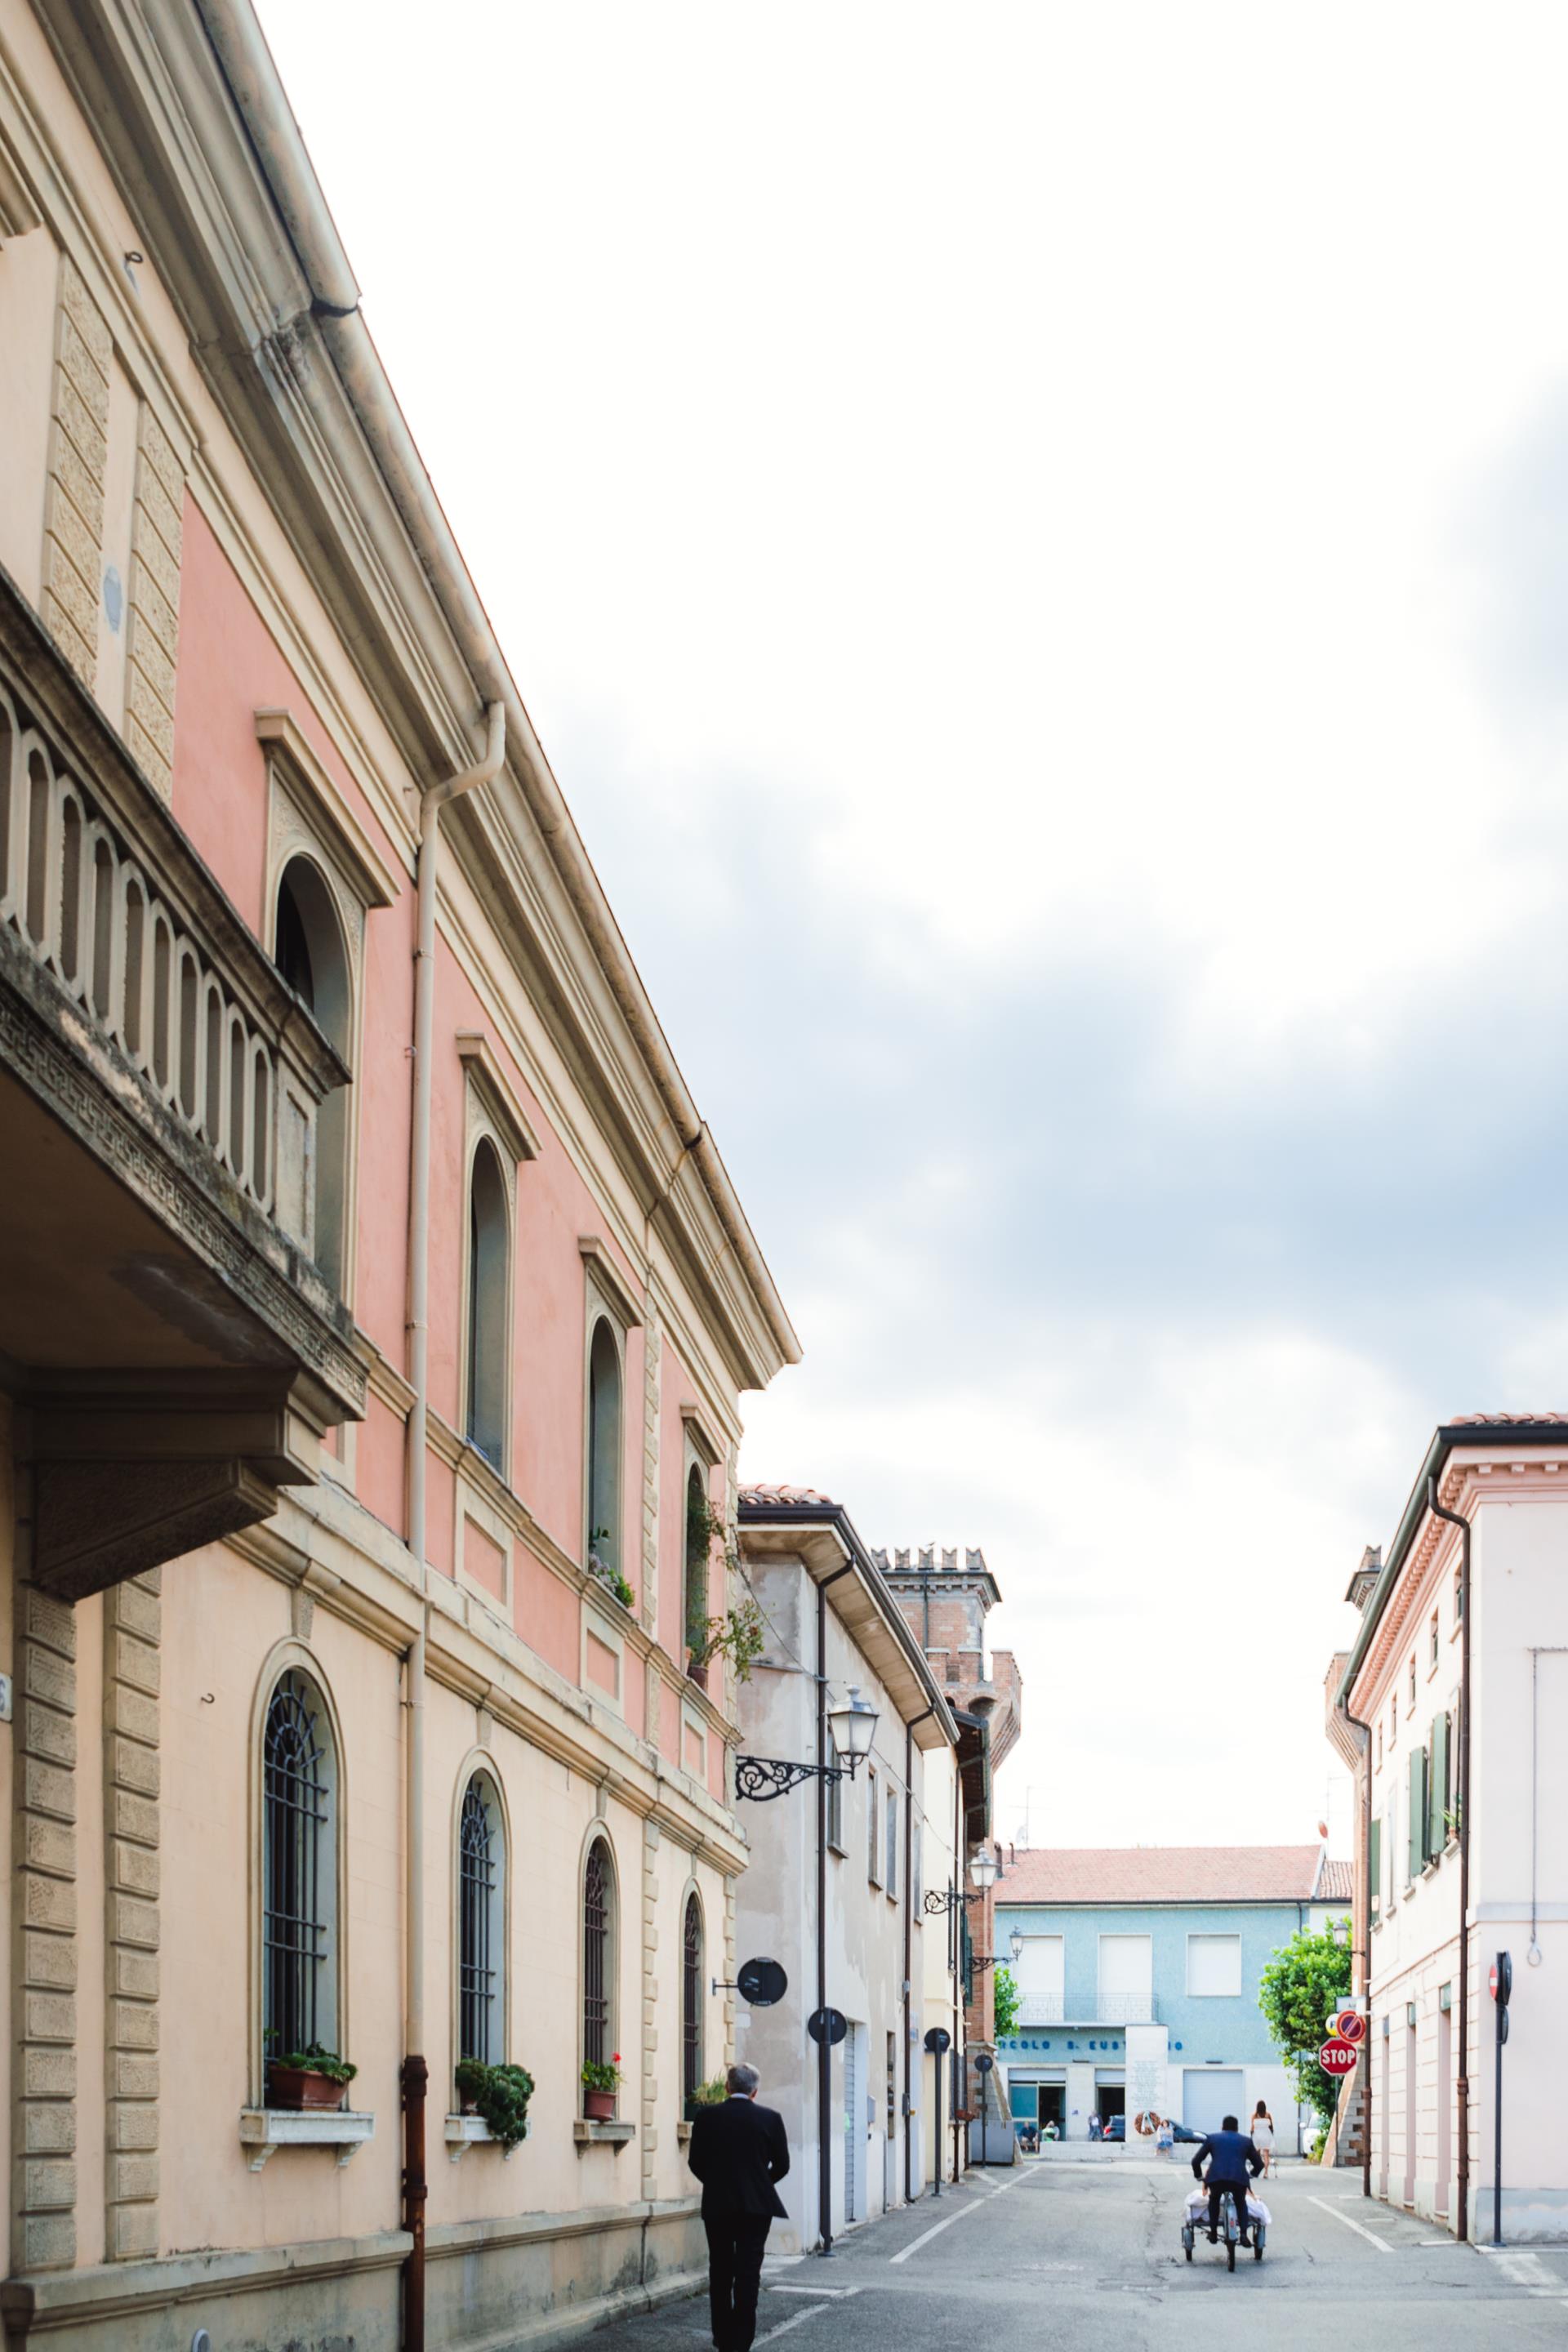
<point>499,2095</point>
<point>601,2080</point>
<point>313,2080</point>
<point>706,2094</point>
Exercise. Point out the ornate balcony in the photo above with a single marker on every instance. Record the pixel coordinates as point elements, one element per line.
<point>160,1311</point>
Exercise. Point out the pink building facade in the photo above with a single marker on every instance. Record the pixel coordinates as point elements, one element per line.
<point>374,1312</point>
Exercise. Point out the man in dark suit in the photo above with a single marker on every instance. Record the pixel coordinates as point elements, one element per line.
<point>1231,2157</point>
<point>738,2150</point>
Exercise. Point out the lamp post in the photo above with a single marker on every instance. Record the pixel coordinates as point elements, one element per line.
<point>852,1727</point>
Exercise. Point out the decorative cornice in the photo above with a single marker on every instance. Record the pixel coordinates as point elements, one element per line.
<point>490,1083</point>
<point>598,1258</point>
<point>282,739</point>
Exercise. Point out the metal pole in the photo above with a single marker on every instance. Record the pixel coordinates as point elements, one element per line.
<point>936,2058</point>
<point>1496,2122</point>
<point>824,2048</point>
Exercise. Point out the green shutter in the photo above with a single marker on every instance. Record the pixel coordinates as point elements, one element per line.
<point>1417,1812</point>
<point>1374,1868</point>
<point>1437,1796</point>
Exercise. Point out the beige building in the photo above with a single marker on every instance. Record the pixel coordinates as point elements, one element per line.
<point>374,1312</point>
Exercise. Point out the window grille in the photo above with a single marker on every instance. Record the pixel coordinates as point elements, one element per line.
<point>297,1850</point>
<point>596,1957</point>
<point>476,1898</point>
<point>691,1998</point>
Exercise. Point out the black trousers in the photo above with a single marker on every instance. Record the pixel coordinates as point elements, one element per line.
<point>1218,2190</point>
<point>735,2243</point>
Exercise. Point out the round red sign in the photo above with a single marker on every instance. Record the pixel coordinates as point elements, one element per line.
<point>1350,2026</point>
<point>1337,2058</point>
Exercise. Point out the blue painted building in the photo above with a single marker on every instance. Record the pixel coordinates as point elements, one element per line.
<point>1138,1974</point>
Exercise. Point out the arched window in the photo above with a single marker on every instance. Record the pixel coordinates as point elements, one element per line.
<point>310,950</point>
<point>298,1871</point>
<point>481,1933</point>
<point>488,1295</point>
<point>691,1998</point>
<point>605,1445</point>
<point>598,1955</point>
<point>699,1546</point>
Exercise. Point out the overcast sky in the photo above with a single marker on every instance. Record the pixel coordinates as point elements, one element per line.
<point>1037,542</point>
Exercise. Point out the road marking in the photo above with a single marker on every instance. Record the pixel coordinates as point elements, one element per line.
<point>833,2294</point>
<point>949,2219</point>
<point>798,2321</point>
<point>1359,2227</point>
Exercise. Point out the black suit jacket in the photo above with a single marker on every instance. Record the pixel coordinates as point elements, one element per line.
<point>738,2151</point>
<point>1231,2157</point>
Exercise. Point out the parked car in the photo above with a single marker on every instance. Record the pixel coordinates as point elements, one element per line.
<point>1180,2132</point>
<point>1115,2127</point>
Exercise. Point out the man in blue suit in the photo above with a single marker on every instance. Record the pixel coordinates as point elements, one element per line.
<point>1231,2158</point>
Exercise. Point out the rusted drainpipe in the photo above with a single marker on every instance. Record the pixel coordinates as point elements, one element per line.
<point>824,2047</point>
<point>1456,1520</point>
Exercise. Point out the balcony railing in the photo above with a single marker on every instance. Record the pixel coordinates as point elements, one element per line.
<point>241,1069</point>
<point>1105,2009</point>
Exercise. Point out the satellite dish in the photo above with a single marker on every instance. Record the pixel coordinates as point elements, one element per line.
<point>762,1983</point>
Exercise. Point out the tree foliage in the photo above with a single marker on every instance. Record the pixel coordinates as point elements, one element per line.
<point>1005,2002</point>
<point>1298,1992</point>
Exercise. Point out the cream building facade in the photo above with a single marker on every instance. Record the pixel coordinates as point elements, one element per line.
<point>840,1869</point>
<point>1479,1564</point>
<point>374,1314</point>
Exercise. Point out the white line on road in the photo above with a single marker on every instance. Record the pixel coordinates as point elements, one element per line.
<point>833,2294</point>
<point>1359,2227</point>
<point>949,2219</point>
<point>798,2321</point>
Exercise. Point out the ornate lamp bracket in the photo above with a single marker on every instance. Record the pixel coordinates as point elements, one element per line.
<point>762,1778</point>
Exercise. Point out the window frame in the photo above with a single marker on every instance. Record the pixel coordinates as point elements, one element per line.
<point>693,2008</point>
<point>478,1765</point>
<point>295,1657</point>
<point>891,1845</point>
<point>308,815</point>
<point>834,1829</point>
<point>605,1299</point>
<point>598,1835</point>
<point>484,1142</point>
<point>1215,1936</point>
<point>873,1836</point>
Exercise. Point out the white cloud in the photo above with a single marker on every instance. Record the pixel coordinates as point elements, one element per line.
<point>1031,538</point>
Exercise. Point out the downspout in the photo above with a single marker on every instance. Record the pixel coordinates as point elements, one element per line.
<point>1364,1955</point>
<point>909,1939</point>
<point>1456,1520</point>
<point>957,1922</point>
<point>824,2047</point>
<point>416,2075</point>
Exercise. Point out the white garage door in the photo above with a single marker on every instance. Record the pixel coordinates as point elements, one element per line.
<point>1209,2094</point>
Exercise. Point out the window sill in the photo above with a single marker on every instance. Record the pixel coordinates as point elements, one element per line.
<point>683,2134</point>
<point>464,2132</point>
<point>589,2134</point>
<point>840,1853</point>
<point>264,2130</point>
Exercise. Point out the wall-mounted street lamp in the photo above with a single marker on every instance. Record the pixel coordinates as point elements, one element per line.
<point>851,1727</point>
<point>984,1870</point>
<point>1016,1945</point>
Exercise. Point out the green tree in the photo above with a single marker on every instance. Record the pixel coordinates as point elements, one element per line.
<point>1298,1992</point>
<point>1005,2001</point>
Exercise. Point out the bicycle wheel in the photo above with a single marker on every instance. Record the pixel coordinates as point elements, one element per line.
<point>1230,2253</point>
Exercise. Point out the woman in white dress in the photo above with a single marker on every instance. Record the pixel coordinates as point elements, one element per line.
<point>1263,2136</point>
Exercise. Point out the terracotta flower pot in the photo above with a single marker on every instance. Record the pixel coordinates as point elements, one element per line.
<point>302,2087</point>
<point>599,2106</point>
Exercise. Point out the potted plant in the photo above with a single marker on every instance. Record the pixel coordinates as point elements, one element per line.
<point>706,2094</point>
<point>601,2080</point>
<point>500,2095</point>
<point>608,1574</point>
<point>313,2080</point>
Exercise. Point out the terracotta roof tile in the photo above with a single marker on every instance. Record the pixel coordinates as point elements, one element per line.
<point>1337,1884</point>
<point>762,1495</point>
<point>1161,1873</point>
<point>1502,1420</point>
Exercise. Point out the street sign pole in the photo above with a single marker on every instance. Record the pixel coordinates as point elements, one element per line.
<point>1501,1986</point>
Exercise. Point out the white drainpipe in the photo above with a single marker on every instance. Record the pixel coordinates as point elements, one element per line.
<point>430,806</point>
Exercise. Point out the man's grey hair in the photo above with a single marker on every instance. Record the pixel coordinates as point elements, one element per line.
<point>743,2079</point>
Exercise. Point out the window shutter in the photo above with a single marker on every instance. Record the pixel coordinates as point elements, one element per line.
<point>1374,1867</point>
<point>1417,1857</point>
<point>1438,1803</point>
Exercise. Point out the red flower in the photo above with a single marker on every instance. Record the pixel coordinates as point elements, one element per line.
<point>615,2057</point>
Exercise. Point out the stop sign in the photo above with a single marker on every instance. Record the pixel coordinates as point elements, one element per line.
<point>1337,2058</point>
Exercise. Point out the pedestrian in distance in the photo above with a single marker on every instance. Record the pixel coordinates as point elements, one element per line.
<point>1231,2157</point>
<point>1095,2125</point>
<point>738,2151</point>
<point>1263,2136</point>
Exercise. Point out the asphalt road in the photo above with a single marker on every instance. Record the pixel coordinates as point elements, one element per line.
<point>1088,2254</point>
